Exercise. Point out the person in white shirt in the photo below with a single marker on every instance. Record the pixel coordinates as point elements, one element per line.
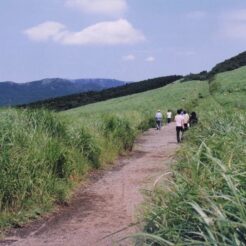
<point>179,120</point>
<point>169,116</point>
<point>158,119</point>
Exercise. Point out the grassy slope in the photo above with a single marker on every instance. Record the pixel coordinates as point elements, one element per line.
<point>138,106</point>
<point>206,205</point>
<point>230,88</point>
<point>138,110</point>
<point>43,154</point>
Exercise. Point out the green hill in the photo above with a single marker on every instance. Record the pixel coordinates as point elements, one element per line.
<point>205,205</point>
<point>137,107</point>
<point>227,65</point>
<point>45,154</point>
<point>229,88</point>
<point>80,99</point>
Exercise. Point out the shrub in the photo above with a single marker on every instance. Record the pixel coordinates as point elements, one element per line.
<point>86,144</point>
<point>120,131</point>
<point>34,157</point>
<point>148,122</point>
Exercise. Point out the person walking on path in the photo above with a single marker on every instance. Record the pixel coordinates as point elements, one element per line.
<point>158,119</point>
<point>179,120</point>
<point>169,116</point>
<point>186,120</point>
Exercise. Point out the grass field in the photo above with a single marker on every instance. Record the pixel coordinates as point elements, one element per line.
<point>206,203</point>
<point>137,107</point>
<point>229,88</point>
<point>138,110</point>
<point>43,154</point>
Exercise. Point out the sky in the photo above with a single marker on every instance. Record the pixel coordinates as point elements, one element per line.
<point>129,40</point>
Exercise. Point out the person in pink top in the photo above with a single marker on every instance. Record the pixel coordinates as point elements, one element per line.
<point>179,120</point>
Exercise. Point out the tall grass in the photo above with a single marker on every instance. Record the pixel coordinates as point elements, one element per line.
<point>43,154</point>
<point>230,88</point>
<point>41,158</point>
<point>206,204</point>
<point>35,162</point>
<point>120,131</point>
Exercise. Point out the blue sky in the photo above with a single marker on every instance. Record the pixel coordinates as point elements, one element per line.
<point>129,40</point>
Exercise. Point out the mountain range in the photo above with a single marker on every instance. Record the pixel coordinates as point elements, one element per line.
<point>56,92</point>
<point>12,93</point>
<point>79,99</point>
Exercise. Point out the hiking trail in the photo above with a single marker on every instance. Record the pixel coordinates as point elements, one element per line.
<point>100,213</point>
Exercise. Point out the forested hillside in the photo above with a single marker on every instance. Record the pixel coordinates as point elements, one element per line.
<point>230,64</point>
<point>76,100</point>
<point>227,65</point>
<point>20,93</point>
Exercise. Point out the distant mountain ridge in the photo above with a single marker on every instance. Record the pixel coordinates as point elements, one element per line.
<point>12,93</point>
<point>62,94</point>
<point>80,99</point>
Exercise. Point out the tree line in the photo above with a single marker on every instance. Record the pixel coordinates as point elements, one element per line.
<point>80,99</point>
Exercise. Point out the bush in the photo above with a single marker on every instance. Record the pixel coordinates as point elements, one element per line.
<point>86,144</point>
<point>120,131</point>
<point>34,157</point>
<point>146,124</point>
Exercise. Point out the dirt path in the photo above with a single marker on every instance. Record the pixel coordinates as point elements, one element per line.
<point>100,213</point>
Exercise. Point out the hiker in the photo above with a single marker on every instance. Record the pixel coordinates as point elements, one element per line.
<point>158,119</point>
<point>193,119</point>
<point>186,120</point>
<point>179,119</point>
<point>169,116</point>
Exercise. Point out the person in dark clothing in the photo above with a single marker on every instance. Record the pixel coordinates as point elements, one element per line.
<point>193,119</point>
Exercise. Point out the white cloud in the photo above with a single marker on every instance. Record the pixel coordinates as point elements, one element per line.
<point>45,31</point>
<point>111,32</point>
<point>102,33</point>
<point>129,57</point>
<point>196,15</point>
<point>233,24</point>
<point>150,59</point>
<point>98,6</point>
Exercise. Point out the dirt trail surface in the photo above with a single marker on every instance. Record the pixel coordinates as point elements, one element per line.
<point>100,214</point>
